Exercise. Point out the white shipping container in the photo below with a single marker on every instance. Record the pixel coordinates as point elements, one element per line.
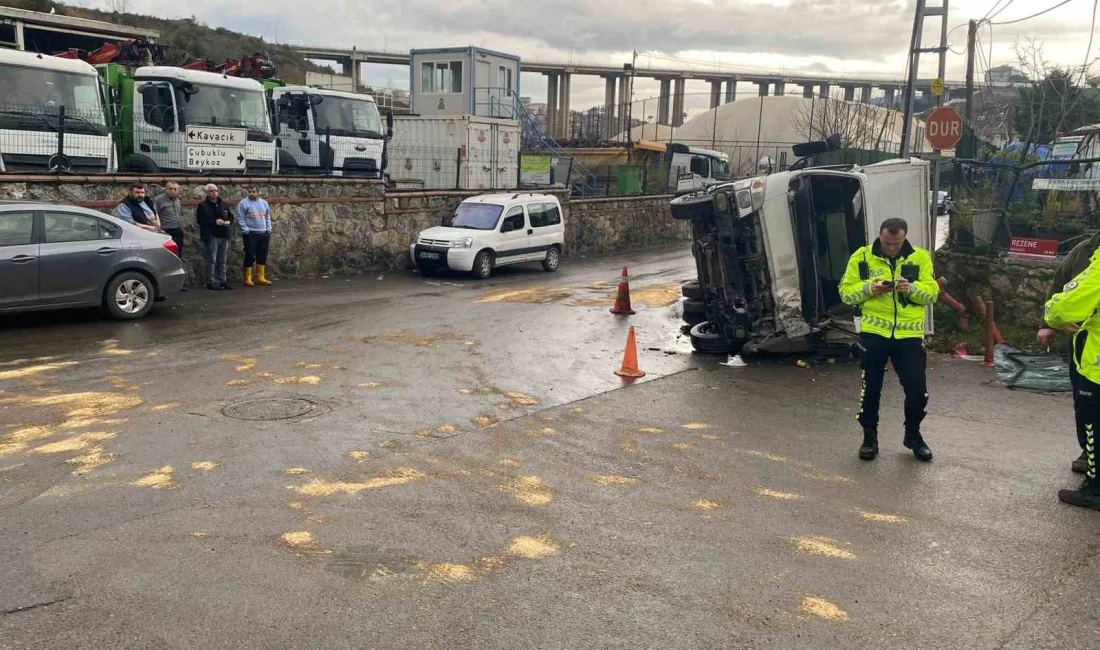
<point>454,152</point>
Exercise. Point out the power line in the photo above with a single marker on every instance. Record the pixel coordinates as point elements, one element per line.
<point>999,11</point>
<point>1045,11</point>
<point>1092,32</point>
<point>993,8</point>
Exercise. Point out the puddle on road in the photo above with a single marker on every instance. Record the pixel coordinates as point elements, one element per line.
<point>597,294</point>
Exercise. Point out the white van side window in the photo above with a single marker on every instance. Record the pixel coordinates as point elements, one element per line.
<point>514,217</point>
<point>544,214</point>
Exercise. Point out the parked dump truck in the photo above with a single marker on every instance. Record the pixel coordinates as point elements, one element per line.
<point>771,250</point>
<point>52,116</point>
<point>328,131</point>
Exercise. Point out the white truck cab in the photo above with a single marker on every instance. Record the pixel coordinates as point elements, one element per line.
<point>692,168</point>
<point>330,130</point>
<point>33,89</point>
<point>492,230</point>
<point>172,106</point>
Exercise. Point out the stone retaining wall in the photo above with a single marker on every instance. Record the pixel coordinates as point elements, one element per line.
<point>1018,288</point>
<point>325,226</point>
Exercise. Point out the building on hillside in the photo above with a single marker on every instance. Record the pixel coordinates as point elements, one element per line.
<point>50,33</point>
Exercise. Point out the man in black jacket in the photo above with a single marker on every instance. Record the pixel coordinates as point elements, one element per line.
<point>214,219</point>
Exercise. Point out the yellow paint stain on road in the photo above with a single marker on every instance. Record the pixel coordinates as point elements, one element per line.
<point>9,448</point>
<point>166,407</point>
<point>529,490</point>
<point>577,411</point>
<point>491,562</point>
<point>767,456</point>
<point>822,546</point>
<point>449,572</point>
<point>539,433</point>
<point>95,458</point>
<point>239,382</point>
<point>388,444</point>
<point>295,505</point>
<point>302,540</point>
<point>304,364</point>
<point>311,380</point>
<point>447,428</point>
<point>370,384</point>
<point>775,494</point>
<point>882,518</point>
<point>629,447</point>
<point>323,488</point>
<point>534,548</point>
<point>696,426</point>
<point>295,471</point>
<point>359,456</point>
<point>484,420</point>
<point>113,351</point>
<point>205,465</point>
<point>823,609</point>
<point>89,404</point>
<point>161,479</point>
<point>650,430</point>
<point>521,399</point>
<point>30,371</point>
<point>200,534</point>
<point>465,391</point>
<point>269,348</point>
<point>75,443</point>
<point>614,479</point>
<point>29,434</point>
<point>658,295</point>
<point>534,296</point>
<point>682,445</point>
<point>704,505</point>
<point>245,364</point>
<point>508,462</point>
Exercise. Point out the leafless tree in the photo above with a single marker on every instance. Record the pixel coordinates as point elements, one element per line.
<point>119,6</point>
<point>861,126</point>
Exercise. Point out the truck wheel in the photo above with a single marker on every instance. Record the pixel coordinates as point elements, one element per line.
<point>141,164</point>
<point>692,290</point>
<point>706,339</point>
<point>483,265</point>
<point>692,319</point>
<point>694,307</point>
<point>697,205</point>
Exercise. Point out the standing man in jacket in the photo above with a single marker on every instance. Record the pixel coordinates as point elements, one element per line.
<point>254,220</point>
<point>137,209</point>
<point>891,281</point>
<point>1075,263</point>
<point>1079,303</point>
<point>170,210</point>
<point>214,220</point>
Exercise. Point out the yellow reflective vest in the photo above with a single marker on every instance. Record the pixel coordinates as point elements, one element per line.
<point>1077,303</point>
<point>890,315</point>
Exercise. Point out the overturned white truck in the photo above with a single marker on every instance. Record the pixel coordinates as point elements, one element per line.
<point>771,250</point>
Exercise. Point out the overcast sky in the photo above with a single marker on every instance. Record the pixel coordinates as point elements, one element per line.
<point>842,36</point>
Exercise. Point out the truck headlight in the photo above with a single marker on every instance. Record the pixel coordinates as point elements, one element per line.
<point>462,242</point>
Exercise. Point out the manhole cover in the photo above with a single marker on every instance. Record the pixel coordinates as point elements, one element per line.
<point>271,408</point>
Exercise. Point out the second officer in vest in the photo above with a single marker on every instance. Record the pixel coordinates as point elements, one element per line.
<point>892,284</point>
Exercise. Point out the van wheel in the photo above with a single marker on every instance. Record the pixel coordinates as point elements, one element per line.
<point>483,265</point>
<point>692,291</point>
<point>553,258</point>
<point>129,296</point>
<point>707,339</point>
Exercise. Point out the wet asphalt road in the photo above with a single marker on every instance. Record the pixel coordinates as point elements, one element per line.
<point>461,469</point>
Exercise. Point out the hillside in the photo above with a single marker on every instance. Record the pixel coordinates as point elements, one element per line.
<point>186,39</point>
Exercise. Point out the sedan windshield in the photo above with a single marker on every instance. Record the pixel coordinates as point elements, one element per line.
<point>31,99</point>
<point>231,107</point>
<point>350,117</point>
<point>477,216</point>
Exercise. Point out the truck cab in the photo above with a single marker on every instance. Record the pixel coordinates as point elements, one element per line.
<point>328,130</point>
<point>190,120</point>
<point>693,168</point>
<point>52,116</point>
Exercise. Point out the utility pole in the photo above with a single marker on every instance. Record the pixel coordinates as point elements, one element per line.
<point>968,129</point>
<point>630,110</point>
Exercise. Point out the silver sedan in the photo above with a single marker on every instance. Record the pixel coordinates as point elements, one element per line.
<point>60,256</point>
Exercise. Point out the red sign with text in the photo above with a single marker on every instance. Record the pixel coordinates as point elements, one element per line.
<point>1028,248</point>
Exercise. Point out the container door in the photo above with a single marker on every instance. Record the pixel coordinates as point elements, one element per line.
<point>480,160</point>
<point>507,162</point>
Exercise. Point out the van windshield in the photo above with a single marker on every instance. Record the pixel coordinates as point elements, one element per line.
<point>477,216</point>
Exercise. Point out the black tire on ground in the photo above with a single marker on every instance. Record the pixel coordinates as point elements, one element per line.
<point>695,307</point>
<point>553,258</point>
<point>697,205</point>
<point>141,164</point>
<point>692,290</point>
<point>704,339</point>
<point>483,265</point>
<point>693,319</point>
<point>129,296</point>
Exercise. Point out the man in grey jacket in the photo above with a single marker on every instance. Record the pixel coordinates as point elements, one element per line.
<point>170,210</point>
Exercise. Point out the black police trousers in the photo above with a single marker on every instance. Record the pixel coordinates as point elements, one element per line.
<point>910,363</point>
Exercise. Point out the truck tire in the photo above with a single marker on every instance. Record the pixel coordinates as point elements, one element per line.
<point>692,290</point>
<point>141,164</point>
<point>694,307</point>
<point>707,340</point>
<point>696,205</point>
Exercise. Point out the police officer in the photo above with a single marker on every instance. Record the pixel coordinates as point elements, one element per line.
<point>891,282</point>
<point>1079,302</point>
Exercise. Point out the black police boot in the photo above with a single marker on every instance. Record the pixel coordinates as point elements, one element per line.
<point>869,449</point>
<point>1081,464</point>
<point>1087,496</point>
<point>914,441</point>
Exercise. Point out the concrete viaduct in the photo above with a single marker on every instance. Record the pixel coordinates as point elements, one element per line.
<point>618,89</point>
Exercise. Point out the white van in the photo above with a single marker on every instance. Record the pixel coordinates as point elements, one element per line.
<point>494,230</point>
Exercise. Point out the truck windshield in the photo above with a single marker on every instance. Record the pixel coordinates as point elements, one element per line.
<point>476,216</point>
<point>30,99</point>
<point>232,107</point>
<point>349,117</point>
<point>720,169</point>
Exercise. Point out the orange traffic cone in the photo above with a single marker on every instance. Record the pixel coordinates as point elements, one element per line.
<point>630,359</point>
<point>622,298</point>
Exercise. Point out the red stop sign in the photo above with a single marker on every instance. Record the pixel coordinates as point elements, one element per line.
<point>944,128</point>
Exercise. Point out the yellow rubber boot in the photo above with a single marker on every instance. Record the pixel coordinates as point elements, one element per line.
<point>260,277</point>
<point>248,277</point>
